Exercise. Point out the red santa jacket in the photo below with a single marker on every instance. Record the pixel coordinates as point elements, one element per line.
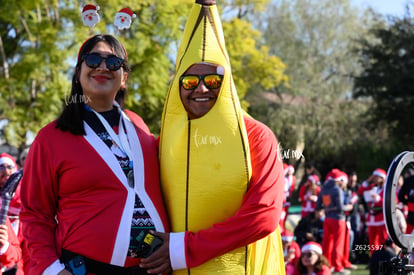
<point>308,206</point>
<point>375,213</point>
<point>13,253</point>
<point>75,195</point>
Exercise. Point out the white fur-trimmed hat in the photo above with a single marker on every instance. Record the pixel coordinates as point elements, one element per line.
<point>380,173</point>
<point>312,246</point>
<point>7,159</point>
<point>287,236</point>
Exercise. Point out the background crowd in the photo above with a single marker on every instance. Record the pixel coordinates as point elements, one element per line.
<point>343,216</point>
<point>341,221</point>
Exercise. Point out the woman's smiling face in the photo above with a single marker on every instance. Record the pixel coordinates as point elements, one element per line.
<point>101,83</point>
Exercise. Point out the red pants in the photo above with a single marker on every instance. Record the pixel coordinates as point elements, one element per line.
<point>345,259</point>
<point>333,242</point>
<point>409,229</point>
<point>376,237</point>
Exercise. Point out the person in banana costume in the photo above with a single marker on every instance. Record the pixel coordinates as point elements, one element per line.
<point>221,172</point>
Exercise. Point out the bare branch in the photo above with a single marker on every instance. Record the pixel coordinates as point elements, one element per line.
<point>3,57</point>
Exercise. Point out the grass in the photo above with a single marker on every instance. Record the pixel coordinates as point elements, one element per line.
<point>361,270</point>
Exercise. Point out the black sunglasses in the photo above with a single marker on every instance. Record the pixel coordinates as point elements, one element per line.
<point>94,60</point>
<point>191,81</point>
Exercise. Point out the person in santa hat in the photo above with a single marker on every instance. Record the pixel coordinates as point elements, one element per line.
<point>10,233</point>
<point>308,195</point>
<point>312,261</point>
<point>9,166</point>
<point>350,201</point>
<point>123,18</point>
<point>291,251</point>
<point>377,231</point>
<point>290,181</point>
<point>90,15</point>
<point>331,198</point>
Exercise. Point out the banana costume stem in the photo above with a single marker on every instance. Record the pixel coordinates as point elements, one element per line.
<point>221,174</point>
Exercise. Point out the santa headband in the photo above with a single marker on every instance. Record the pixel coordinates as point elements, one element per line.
<point>312,246</point>
<point>7,159</point>
<point>80,49</point>
<point>122,20</point>
<point>380,173</point>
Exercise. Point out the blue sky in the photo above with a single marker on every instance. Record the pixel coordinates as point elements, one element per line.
<point>386,7</point>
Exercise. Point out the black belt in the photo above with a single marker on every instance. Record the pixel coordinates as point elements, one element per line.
<point>100,268</point>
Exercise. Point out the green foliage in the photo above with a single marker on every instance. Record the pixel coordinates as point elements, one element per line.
<point>387,59</point>
<point>252,65</point>
<point>32,82</point>
<point>314,113</point>
<point>41,39</point>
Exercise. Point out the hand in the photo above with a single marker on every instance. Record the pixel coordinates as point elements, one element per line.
<point>348,207</point>
<point>4,236</point>
<point>309,236</point>
<point>65,272</point>
<point>313,198</point>
<point>159,261</point>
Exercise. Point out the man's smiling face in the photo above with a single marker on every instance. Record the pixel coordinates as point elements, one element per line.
<point>200,100</point>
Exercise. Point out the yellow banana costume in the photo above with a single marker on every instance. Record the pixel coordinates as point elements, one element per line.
<point>221,176</point>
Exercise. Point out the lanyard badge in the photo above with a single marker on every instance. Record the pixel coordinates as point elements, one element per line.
<point>121,140</point>
<point>131,177</point>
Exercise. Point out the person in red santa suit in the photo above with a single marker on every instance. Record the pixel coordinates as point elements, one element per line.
<point>290,181</point>
<point>90,189</point>
<point>10,250</point>
<point>331,198</point>
<point>291,251</point>
<point>8,166</point>
<point>308,195</point>
<point>377,231</point>
<point>350,200</point>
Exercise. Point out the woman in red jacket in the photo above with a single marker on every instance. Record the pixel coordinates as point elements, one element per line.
<point>91,183</point>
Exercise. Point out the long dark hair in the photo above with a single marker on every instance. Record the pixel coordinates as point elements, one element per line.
<point>322,260</point>
<point>73,114</point>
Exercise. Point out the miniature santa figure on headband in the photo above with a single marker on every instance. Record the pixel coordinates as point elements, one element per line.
<point>123,19</point>
<point>90,16</point>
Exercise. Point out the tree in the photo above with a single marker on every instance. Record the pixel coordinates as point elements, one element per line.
<point>387,61</point>
<point>39,43</point>
<point>314,39</point>
<point>33,68</point>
